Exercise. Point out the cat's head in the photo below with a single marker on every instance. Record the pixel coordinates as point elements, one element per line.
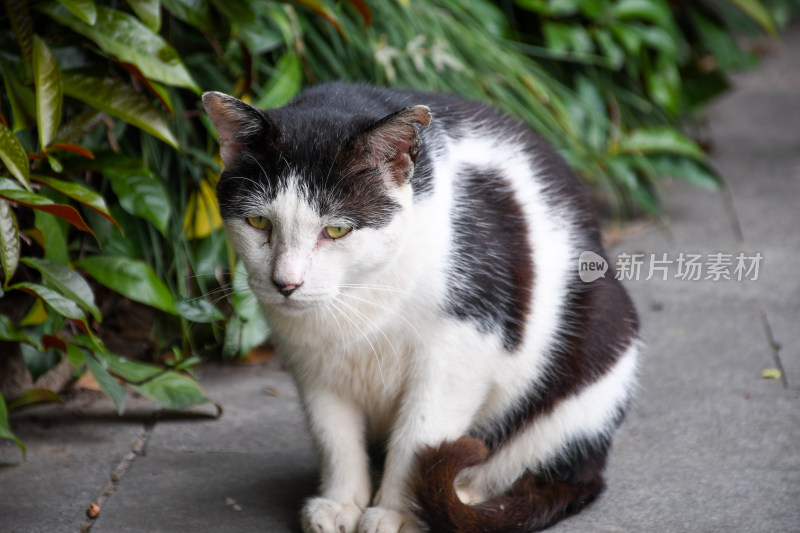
<point>314,199</point>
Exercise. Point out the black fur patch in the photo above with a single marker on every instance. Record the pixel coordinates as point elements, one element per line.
<point>603,323</point>
<point>491,261</point>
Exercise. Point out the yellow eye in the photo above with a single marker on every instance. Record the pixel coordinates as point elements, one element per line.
<point>262,223</point>
<point>335,232</point>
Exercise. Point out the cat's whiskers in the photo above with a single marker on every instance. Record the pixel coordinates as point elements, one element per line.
<point>369,322</point>
<point>366,338</point>
<point>388,310</point>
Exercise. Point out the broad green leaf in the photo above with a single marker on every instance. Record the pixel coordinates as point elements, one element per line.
<point>21,99</point>
<point>66,280</point>
<point>656,11</point>
<point>132,278</point>
<point>660,140</point>
<point>571,38</point>
<point>9,241</point>
<point>686,169</point>
<point>284,84</point>
<point>609,48</point>
<point>60,303</point>
<point>125,38</point>
<point>755,10</point>
<point>5,429</point>
<point>173,391</point>
<point>79,126</point>
<point>10,332</point>
<point>51,234</point>
<point>47,79</point>
<point>140,192</point>
<point>83,9</point>
<point>79,193</point>
<point>33,397</point>
<point>552,8</point>
<point>106,381</point>
<point>194,12</point>
<point>664,83</point>
<point>9,191</point>
<point>148,11</point>
<point>198,310</point>
<point>21,22</point>
<point>133,372</point>
<point>119,100</point>
<point>14,157</point>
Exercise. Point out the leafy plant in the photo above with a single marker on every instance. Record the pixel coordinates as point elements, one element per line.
<point>107,201</point>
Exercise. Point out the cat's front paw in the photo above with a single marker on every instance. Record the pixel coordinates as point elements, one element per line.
<point>321,515</point>
<point>381,520</point>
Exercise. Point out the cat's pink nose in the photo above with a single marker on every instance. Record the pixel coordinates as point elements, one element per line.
<point>286,288</point>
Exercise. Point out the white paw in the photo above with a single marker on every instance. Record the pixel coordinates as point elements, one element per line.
<point>380,520</point>
<point>321,515</point>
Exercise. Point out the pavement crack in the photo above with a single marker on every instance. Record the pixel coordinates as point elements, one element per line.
<point>775,346</point>
<point>138,448</point>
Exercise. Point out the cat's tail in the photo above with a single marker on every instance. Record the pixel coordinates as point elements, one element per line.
<point>531,504</point>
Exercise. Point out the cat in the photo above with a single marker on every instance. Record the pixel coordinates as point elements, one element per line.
<point>416,257</point>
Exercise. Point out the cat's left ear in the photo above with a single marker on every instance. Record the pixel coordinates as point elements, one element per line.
<point>236,123</point>
<point>394,141</point>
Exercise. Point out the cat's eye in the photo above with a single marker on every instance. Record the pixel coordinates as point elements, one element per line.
<point>335,232</point>
<point>262,223</point>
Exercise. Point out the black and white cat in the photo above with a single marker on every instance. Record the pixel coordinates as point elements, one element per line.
<point>416,256</point>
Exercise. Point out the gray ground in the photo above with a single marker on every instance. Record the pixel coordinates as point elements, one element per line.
<point>709,445</point>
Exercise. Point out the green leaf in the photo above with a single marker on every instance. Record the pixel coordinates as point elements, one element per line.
<point>664,83</point>
<point>133,372</point>
<point>132,278</point>
<point>656,11</point>
<point>148,11</point>
<point>563,38</point>
<point>140,192</point>
<point>660,140</point>
<point>609,48</point>
<point>5,429</point>
<point>83,9</point>
<point>106,381</point>
<point>33,397</point>
<point>125,38</point>
<point>79,193</point>
<point>20,98</point>
<point>9,191</point>
<point>9,241</point>
<point>771,373</point>
<point>47,79</point>
<point>14,157</point>
<point>79,126</point>
<point>53,231</point>
<point>756,11</point>
<point>10,332</point>
<point>197,13</point>
<point>198,310</point>
<point>284,84</point>
<point>686,169</point>
<point>60,303</point>
<point>173,391</point>
<point>66,280</point>
<point>119,100</point>
<point>21,22</point>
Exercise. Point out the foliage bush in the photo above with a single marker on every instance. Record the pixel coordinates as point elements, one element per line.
<point>109,165</point>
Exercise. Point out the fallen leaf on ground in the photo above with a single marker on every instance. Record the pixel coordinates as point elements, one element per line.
<point>771,373</point>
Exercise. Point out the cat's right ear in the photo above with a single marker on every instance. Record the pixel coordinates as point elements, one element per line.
<point>236,123</point>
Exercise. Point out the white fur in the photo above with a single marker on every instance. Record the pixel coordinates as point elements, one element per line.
<point>375,356</point>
